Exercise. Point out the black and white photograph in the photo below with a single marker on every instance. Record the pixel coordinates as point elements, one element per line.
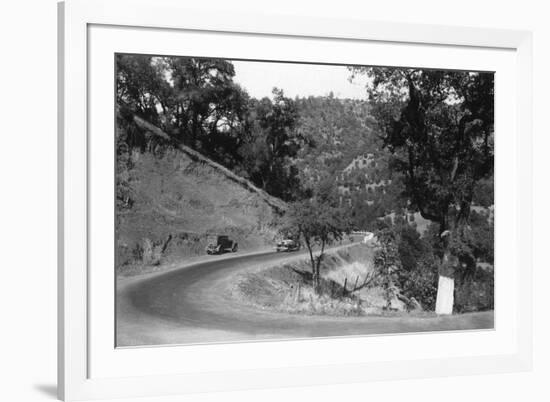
<point>268,200</point>
<point>275,201</point>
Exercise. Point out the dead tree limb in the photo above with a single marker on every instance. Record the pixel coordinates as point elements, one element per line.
<point>369,279</point>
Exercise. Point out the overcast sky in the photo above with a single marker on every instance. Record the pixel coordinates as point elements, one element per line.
<point>303,80</point>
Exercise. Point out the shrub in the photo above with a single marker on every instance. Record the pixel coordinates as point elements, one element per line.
<point>387,264</point>
<point>418,266</point>
<point>151,254</point>
<point>476,292</point>
<point>421,282</point>
<point>410,246</point>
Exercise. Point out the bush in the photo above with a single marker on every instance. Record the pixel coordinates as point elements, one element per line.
<point>387,264</point>
<point>411,247</point>
<point>151,254</point>
<point>421,282</point>
<point>475,293</point>
<point>419,274</point>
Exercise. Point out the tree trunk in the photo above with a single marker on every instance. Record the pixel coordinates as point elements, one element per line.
<point>317,269</point>
<point>316,282</point>
<point>314,273</point>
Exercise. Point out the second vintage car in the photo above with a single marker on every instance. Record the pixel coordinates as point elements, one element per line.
<point>287,245</point>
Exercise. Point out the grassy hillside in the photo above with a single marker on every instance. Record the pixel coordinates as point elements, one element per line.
<point>286,287</point>
<point>177,199</point>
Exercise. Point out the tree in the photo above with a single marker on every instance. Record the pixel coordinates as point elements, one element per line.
<point>318,221</point>
<point>207,107</point>
<point>141,86</point>
<point>198,104</point>
<point>194,100</point>
<point>270,142</point>
<point>438,125</point>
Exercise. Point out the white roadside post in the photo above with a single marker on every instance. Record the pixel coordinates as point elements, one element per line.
<point>446,285</point>
<point>445,295</point>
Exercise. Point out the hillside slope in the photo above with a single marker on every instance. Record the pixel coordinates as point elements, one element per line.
<point>179,198</point>
<point>346,287</point>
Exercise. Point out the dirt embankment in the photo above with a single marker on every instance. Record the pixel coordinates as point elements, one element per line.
<point>348,286</point>
<point>179,199</point>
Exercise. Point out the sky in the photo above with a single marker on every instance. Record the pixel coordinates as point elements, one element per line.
<point>302,80</point>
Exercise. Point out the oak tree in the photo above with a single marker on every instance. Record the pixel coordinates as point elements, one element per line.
<point>438,126</point>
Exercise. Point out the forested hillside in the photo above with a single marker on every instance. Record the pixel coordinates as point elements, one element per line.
<point>338,130</point>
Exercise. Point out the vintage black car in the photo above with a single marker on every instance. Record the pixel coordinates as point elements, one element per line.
<point>221,244</point>
<point>287,245</point>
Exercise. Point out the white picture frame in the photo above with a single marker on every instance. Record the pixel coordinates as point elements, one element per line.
<point>76,377</point>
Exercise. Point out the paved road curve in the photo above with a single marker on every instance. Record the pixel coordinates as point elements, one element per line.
<point>193,305</point>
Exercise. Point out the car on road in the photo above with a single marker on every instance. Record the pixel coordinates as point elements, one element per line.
<point>363,235</point>
<point>287,245</point>
<point>221,244</point>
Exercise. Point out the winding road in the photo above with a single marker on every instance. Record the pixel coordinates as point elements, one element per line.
<point>192,304</point>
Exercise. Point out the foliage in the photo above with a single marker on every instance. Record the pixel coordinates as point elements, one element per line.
<point>336,131</point>
<point>341,141</point>
<point>318,221</point>
<point>271,140</point>
<point>364,215</point>
<point>438,125</point>
<point>419,275</point>
<point>140,86</point>
<point>421,282</point>
<point>196,102</point>
<point>124,165</point>
<point>476,292</point>
<point>387,264</point>
<point>483,235</point>
<point>147,252</point>
<point>484,194</point>
<point>152,253</point>
<point>473,243</point>
<point>411,248</point>
<point>409,263</point>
